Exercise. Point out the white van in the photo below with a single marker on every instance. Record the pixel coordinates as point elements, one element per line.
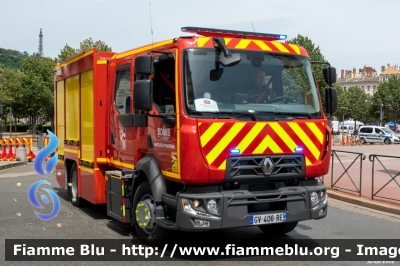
<point>347,130</point>
<point>375,134</point>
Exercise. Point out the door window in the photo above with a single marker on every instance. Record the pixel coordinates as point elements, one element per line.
<point>122,90</point>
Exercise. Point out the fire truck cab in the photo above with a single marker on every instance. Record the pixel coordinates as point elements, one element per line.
<point>222,129</point>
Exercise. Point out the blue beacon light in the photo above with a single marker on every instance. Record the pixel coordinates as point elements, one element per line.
<point>235,151</point>
<point>298,149</point>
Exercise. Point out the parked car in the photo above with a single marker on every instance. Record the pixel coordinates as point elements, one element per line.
<point>375,134</point>
<point>347,130</point>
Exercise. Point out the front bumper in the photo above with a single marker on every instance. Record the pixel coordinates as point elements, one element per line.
<point>236,207</point>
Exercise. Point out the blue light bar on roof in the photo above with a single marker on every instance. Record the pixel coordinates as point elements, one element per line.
<point>234,34</point>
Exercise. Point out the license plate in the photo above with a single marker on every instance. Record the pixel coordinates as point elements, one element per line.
<point>268,218</point>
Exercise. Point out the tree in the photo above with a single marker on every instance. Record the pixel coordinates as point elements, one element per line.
<point>87,44</point>
<point>38,86</point>
<point>388,94</point>
<point>358,104</point>
<point>66,52</point>
<point>343,110</point>
<point>315,55</point>
<point>12,91</point>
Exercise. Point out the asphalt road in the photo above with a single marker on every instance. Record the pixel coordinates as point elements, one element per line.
<point>18,221</point>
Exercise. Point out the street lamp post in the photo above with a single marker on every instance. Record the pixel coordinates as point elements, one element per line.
<point>10,122</point>
<point>343,108</point>
<point>381,116</point>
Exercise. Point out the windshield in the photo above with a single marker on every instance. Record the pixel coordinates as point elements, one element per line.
<point>386,130</point>
<point>263,82</point>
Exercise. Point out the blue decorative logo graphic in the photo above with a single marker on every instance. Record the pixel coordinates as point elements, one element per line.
<point>43,154</point>
<point>38,167</point>
<point>32,198</point>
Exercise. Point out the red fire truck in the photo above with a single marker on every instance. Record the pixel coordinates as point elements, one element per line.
<point>221,129</point>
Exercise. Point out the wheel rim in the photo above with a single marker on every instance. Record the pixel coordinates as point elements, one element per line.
<point>144,214</point>
<point>387,141</point>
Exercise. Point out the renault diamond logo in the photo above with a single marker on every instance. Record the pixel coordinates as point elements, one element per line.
<point>267,166</point>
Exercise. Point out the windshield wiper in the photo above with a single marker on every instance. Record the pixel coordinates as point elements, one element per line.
<point>224,115</point>
<point>292,115</point>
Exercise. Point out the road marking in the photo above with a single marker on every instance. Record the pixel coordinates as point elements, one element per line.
<point>17,174</point>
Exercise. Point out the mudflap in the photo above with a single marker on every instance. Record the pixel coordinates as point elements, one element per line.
<point>119,195</point>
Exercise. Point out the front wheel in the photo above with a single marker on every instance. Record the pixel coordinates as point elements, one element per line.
<point>387,141</point>
<point>362,141</point>
<point>144,216</point>
<point>278,229</point>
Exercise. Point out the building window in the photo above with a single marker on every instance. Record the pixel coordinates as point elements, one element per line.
<point>374,88</point>
<point>362,87</point>
<point>368,88</point>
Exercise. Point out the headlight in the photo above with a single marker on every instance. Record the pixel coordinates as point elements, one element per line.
<point>314,198</point>
<point>318,199</point>
<point>212,205</point>
<point>187,207</point>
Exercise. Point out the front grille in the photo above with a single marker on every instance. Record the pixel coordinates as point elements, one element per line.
<point>274,166</point>
<point>262,187</point>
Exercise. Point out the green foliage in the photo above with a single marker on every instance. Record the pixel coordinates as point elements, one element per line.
<point>358,103</point>
<point>343,110</point>
<point>387,94</point>
<point>30,91</point>
<point>11,58</point>
<point>17,128</point>
<point>68,52</point>
<point>38,85</point>
<point>315,55</point>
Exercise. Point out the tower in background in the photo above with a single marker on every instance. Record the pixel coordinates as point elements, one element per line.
<point>40,51</point>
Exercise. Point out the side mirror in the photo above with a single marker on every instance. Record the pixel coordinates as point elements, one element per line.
<point>230,60</point>
<point>331,100</point>
<point>329,74</point>
<point>216,74</point>
<point>143,95</point>
<point>144,65</point>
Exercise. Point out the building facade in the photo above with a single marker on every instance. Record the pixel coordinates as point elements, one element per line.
<point>367,79</point>
<point>388,72</point>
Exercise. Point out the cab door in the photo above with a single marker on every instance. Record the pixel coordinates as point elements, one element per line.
<point>162,133</point>
<point>380,135</point>
<point>122,132</point>
<point>369,134</point>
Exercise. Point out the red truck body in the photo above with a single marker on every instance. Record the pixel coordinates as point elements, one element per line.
<point>108,148</point>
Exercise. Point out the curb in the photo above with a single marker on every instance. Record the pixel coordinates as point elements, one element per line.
<point>376,205</point>
<point>11,165</point>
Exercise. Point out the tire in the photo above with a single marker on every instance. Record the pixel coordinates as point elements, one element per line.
<point>147,231</point>
<point>362,141</point>
<point>68,180</point>
<point>387,141</point>
<point>278,229</point>
<point>75,200</point>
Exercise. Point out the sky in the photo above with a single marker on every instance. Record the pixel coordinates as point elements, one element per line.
<point>350,34</point>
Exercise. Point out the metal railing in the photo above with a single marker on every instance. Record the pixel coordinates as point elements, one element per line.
<point>359,155</point>
<point>372,158</point>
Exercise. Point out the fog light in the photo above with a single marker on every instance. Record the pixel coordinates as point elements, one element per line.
<point>314,198</point>
<point>196,203</point>
<point>322,194</point>
<point>201,223</point>
<point>212,205</point>
<point>321,212</point>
